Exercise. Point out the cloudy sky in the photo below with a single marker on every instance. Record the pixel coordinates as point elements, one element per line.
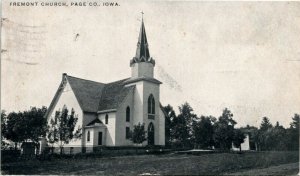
<point>240,55</point>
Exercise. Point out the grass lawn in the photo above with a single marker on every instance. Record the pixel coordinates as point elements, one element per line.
<point>168,164</point>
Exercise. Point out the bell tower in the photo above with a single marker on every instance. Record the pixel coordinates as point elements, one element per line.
<point>146,104</point>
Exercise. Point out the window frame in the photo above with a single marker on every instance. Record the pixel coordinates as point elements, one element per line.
<point>127,114</point>
<point>151,107</point>
<point>88,136</point>
<point>106,119</point>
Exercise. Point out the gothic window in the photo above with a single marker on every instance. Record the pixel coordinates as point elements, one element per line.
<point>128,114</point>
<point>127,132</point>
<point>88,138</point>
<point>106,119</point>
<point>151,107</point>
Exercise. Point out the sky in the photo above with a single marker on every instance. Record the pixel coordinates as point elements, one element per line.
<point>241,55</point>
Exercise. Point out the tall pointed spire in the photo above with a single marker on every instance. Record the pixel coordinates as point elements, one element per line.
<point>142,50</point>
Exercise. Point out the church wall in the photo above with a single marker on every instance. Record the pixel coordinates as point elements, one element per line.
<point>87,118</point>
<point>94,132</point>
<point>140,113</point>
<point>111,127</point>
<point>142,69</point>
<point>161,121</point>
<point>137,111</point>
<point>90,143</point>
<point>121,120</point>
<point>68,98</point>
<point>151,88</point>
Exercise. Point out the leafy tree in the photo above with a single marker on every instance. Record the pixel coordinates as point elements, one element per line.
<point>26,126</point>
<point>14,128</point>
<point>138,135</point>
<point>183,125</point>
<point>36,123</point>
<point>277,139</point>
<point>3,128</point>
<point>265,134</point>
<point>224,130</point>
<point>203,131</point>
<point>61,129</point>
<point>293,133</point>
<point>169,125</point>
<point>238,138</point>
<point>295,123</point>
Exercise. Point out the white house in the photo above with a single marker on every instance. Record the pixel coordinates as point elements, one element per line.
<point>108,111</point>
<point>245,146</point>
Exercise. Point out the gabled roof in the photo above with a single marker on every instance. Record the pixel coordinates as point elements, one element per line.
<point>88,93</point>
<point>113,94</point>
<point>94,122</point>
<point>94,96</point>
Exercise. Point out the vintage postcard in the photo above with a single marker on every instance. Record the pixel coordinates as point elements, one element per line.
<point>93,87</point>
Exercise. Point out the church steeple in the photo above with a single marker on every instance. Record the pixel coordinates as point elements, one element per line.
<point>142,50</point>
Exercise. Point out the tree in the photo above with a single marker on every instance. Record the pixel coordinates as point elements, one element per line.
<point>62,128</point>
<point>295,123</point>
<point>265,124</point>
<point>26,126</point>
<point>238,138</point>
<point>169,125</point>
<point>277,138</point>
<point>36,123</point>
<point>293,133</point>
<point>3,129</point>
<point>224,130</point>
<point>183,125</point>
<point>138,135</point>
<point>253,136</point>
<point>264,134</point>
<point>14,128</point>
<point>203,131</point>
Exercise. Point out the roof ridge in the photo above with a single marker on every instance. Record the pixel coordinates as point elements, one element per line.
<point>121,80</point>
<point>85,79</point>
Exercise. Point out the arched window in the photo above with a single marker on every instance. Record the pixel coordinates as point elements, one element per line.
<point>88,138</point>
<point>151,107</point>
<point>127,114</point>
<point>106,119</point>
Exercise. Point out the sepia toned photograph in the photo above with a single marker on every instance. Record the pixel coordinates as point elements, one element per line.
<point>150,87</point>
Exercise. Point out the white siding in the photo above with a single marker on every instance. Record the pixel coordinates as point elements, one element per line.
<point>111,128</point>
<point>89,143</point>
<point>121,120</point>
<point>142,69</point>
<point>161,121</point>
<point>140,111</point>
<point>68,98</point>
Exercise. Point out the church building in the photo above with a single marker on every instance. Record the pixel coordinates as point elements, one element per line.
<point>107,112</point>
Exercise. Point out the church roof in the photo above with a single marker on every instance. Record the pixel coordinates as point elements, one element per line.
<point>88,93</point>
<point>113,94</point>
<point>95,122</point>
<point>94,96</point>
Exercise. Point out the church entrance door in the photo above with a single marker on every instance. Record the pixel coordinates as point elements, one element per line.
<point>151,134</point>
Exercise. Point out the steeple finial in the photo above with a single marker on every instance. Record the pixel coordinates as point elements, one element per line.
<point>142,15</point>
<point>142,50</point>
